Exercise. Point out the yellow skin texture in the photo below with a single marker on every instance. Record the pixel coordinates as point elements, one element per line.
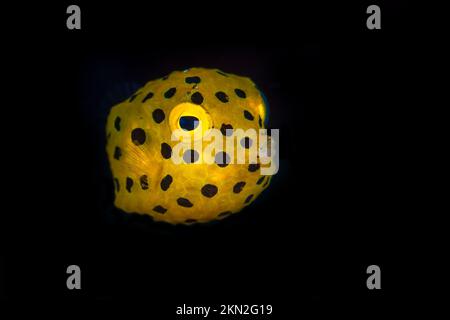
<point>136,160</point>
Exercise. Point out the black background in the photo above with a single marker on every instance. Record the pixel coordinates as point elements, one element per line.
<point>336,92</point>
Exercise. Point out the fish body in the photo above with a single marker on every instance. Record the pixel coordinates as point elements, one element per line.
<point>141,149</point>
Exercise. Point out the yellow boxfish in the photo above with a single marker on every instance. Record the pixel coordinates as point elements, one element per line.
<point>203,186</point>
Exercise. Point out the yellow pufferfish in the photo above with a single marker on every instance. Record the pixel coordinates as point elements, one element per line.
<point>139,147</point>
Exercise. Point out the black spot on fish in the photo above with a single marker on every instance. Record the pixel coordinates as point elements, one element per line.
<point>117,123</point>
<point>224,128</point>
<point>166,150</point>
<point>238,187</point>
<point>248,115</point>
<point>246,142</point>
<point>129,184</point>
<point>249,198</point>
<point>148,96</point>
<point>197,98</point>
<point>117,153</point>
<point>166,182</point>
<point>222,159</point>
<point>160,209</point>
<point>116,181</point>
<point>209,190</point>
<point>158,115</point>
<point>170,93</point>
<point>252,167</point>
<point>260,180</point>
<point>138,136</point>
<point>184,202</point>
<point>190,156</point>
<point>222,96</point>
<point>240,93</point>
<point>260,121</point>
<point>193,80</point>
<point>144,182</point>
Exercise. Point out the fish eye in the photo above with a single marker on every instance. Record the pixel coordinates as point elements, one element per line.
<point>190,119</point>
<point>188,123</point>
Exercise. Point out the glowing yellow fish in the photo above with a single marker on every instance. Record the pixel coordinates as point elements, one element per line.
<point>140,147</point>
